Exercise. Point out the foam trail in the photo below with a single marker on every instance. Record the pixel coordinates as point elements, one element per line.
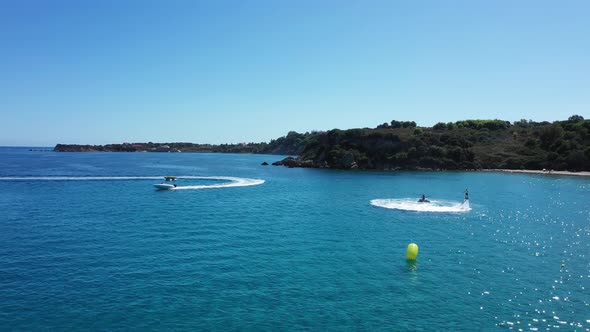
<point>411,204</point>
<point>232,181</point>
<point>78,178</point>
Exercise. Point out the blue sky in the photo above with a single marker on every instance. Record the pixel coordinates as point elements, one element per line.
<point>248,71</point>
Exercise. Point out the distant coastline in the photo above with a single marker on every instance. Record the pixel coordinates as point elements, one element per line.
<point>125,147</point>
<point>561,146</point>
<point>175,148</point>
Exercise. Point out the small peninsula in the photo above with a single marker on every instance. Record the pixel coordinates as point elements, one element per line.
<point>402,145</point>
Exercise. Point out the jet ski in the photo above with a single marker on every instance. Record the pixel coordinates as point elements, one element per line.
<point>423,200</point>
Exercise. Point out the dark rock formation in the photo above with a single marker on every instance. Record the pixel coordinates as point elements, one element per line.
<point>295,162</point>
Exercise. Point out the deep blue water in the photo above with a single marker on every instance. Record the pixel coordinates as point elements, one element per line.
<point>305,250</point>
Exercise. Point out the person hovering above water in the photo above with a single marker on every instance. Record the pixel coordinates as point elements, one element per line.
<point>466,194</point>
<point>423,199</point>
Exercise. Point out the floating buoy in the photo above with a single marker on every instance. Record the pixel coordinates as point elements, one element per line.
<point>412,252</point>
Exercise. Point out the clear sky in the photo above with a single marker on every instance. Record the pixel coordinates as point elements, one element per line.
<point>218,71</point>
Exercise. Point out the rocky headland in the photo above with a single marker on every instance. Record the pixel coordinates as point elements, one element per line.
<point>402,145</point>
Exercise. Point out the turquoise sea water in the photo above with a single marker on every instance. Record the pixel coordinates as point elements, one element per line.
<point>305,250</point>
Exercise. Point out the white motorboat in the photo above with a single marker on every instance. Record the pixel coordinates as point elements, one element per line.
<point>164,186</point>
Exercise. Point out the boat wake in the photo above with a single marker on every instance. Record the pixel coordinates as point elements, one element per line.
<point>232,182</point>
<point>229,181</point>
<point>411,204</point>
<point>78,178</point>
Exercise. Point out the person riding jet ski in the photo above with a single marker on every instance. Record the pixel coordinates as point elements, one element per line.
<point>423,199</point>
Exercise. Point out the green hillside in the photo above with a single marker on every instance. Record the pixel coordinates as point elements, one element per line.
<point>469,144</point>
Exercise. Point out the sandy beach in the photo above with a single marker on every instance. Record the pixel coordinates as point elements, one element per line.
<point>542,172</point>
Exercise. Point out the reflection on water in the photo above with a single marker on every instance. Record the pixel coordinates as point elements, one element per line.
<point>412,265</point>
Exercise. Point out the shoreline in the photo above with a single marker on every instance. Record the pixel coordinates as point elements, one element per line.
<point>530,171</point>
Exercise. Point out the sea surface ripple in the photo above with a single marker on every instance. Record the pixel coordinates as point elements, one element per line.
<point>304,250</point>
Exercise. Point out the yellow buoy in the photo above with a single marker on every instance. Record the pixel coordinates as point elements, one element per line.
<point>412,252</point>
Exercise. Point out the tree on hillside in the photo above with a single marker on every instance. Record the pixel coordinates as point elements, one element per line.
<point>575,118</point>
<point>550,134</point>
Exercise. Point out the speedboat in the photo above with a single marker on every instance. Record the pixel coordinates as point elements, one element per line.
<point>164,186</point>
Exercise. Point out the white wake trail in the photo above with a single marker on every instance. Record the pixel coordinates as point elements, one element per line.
<point>77,178</point>
<point>230,180</point>
<point>411,204</point>
<point>233,182</point>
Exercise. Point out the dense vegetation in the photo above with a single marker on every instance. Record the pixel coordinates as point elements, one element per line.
<point>469,144</point>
